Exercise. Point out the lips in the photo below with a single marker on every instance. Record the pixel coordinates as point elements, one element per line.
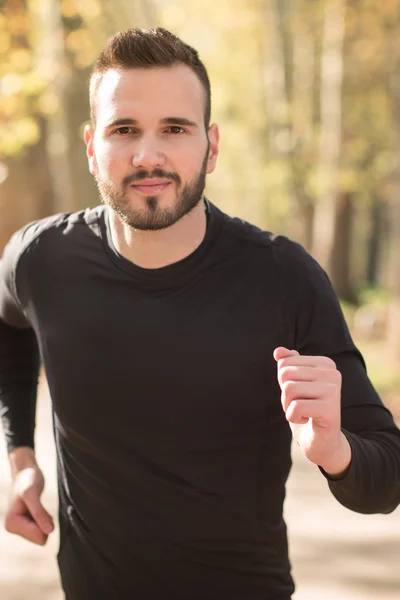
<point>151,188</point>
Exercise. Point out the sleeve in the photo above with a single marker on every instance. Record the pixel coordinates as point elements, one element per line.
<point>316,326</point>
<point>19,354</point>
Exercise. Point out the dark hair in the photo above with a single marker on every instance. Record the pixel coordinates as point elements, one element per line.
<point>144,49</point>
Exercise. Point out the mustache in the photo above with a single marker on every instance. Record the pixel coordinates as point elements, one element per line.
<point>143,174</point>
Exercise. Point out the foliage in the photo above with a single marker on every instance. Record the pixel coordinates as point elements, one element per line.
<point>20,83</point>
<point>264,58</point>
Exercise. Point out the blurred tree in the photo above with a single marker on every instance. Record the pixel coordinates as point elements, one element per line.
<point>25,191</point>
<point>394,315</point>
<point>366,138</point>
<point>276,68</point>
<point>327,210</point>
<point>306,32</point>
<point>302,99</point>
<point>288,42</point>
<point>50,56</point>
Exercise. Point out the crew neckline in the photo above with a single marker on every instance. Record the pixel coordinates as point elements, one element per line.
<point>168,272</point>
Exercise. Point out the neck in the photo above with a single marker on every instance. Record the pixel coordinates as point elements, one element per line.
<point>156,249</point>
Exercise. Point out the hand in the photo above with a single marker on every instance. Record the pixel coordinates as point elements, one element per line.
<point>26,515</point>
<point>311,395</point>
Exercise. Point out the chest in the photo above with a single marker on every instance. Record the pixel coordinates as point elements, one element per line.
<point>166,365</point>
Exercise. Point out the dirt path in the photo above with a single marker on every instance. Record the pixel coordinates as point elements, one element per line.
<point>336,554</point>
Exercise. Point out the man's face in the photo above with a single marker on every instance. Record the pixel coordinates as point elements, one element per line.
<point>150,151</point>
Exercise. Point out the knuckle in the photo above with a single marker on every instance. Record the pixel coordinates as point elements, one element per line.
<point>289,385</point>
<point>332,390</point>
<point>35,511</point>
<point>294,411</point>
<point>333,375</point>
<point>41,541</point>
<point>283,363</point>
<point>288,388</point>
<point>10,524</point>
<point>285,374</point>
<point>337,377</point>
<point>330,363</point>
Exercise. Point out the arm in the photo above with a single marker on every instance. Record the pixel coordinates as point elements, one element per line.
<point>19,354</point>
<point>372,483</point>
<point>362,451</point>
<point>19,368</point>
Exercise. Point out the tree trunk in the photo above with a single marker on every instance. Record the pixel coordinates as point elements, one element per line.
<point>394,314</point>
<point>393,340</point>
<point>302,110</point>
<point>374,242</point>
<point>50,58</point>
<point>77,111</point>
<point>288,64</point>
<point>340,266</point>
<point>275,84</point>
<point>331,135</point>
<point>303,75</point>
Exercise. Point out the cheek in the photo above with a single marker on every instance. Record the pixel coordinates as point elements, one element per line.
<point>106,159</point>
<point>190,164</point>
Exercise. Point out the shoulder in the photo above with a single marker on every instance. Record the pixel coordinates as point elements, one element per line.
<point>298,274</point>
<point>54,227</point>
<point>245,233</point>
<point>44,241</point>
<point>291,257</point>
<point>287,253</point>
<point>59,223</point>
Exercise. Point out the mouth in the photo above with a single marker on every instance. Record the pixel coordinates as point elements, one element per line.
<point>149,189</point>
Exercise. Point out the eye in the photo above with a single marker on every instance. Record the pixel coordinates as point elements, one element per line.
<point>123,130</point>
<point>176,129</point>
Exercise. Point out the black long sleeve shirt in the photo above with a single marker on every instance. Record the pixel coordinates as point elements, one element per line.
<point>173,449</point>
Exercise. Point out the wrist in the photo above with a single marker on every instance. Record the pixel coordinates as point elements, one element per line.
<point>340,459</point>
<point>22,458</point>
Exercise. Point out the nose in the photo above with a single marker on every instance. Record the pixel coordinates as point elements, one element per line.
<point>147,154</point>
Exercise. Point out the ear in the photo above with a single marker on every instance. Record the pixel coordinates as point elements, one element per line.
<point>213,136</point>
<point>89,141</point>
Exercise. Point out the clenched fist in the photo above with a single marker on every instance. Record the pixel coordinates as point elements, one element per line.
<point>26,515</point>
<point>311,398</point>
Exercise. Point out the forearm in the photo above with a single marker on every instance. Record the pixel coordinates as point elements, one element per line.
<point>372,483</point>
<point>19,371</point>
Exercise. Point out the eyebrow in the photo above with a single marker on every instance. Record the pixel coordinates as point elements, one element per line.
<point>167,121</point>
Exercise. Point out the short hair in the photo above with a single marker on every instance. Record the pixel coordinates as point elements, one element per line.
<point>144,49</point>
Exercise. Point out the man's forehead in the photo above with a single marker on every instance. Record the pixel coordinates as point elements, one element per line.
<point>150,94</point>
<point>177,81</point>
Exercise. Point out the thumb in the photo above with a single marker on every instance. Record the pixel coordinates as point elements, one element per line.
<point>38,513</point>
<point>282,352</point>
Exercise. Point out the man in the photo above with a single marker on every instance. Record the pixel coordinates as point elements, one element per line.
<point>181,348</point>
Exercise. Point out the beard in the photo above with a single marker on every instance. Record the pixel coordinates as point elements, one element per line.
<point>152,217</point>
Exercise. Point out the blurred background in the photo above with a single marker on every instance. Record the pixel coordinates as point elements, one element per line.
<point>307,96</point>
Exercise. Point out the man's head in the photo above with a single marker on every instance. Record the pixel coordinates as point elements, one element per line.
<point>145,49</point>
<point>150,145</point>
